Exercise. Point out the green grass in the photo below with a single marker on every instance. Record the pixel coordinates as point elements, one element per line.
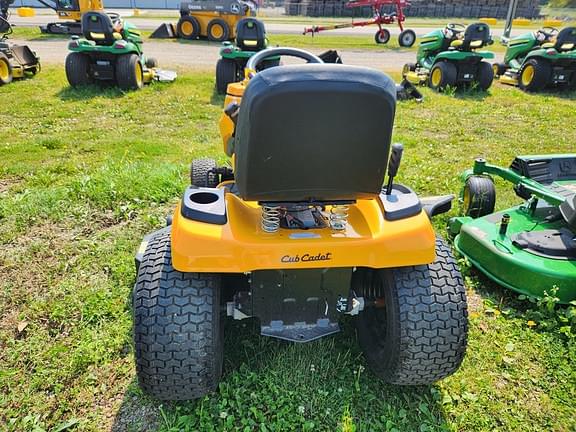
<point>85,174</point>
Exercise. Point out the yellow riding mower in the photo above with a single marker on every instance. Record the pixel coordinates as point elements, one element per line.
<point>16,61</point>
<point>300,233</point>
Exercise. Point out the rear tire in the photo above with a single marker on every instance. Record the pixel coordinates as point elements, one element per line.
<point>382,36</point>
<point>443,74</point>
<point>407,38</point>
<point>178,336</point>
<point>479,196</point>
<point>420,335</point>
<point>188,27</point>
<point>485,75</point>
<point>78,70</point>
<point>129,73</point>
<point>218,30</point>
<point>534,75</point>
<point>200,173</point>
<point>226,73</point>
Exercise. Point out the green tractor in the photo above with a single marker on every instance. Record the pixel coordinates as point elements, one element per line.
<point>529,248</point>
<point>250,39</point>
<point>539,59</point>
<point>16,61</point>
<point>448,57</point>
<point>110,51</point>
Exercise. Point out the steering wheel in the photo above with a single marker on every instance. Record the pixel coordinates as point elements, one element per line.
<point>113,16</point>
<point>456,27</point>
<point>258,58</point>
<point>548,32</point>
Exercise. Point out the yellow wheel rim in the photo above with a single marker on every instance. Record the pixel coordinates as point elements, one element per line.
<point>466,199</point>
<point>495,70</point>
<point>436,78</point>
<point>527,75</point>
<point>187,28</point>
<point>138,72</point>
<point>217,31</point>
<point>4,72</point>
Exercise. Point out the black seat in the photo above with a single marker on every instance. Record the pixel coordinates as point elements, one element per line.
<point>98,27</point>
<point>250,34</point>
<point>566,39</point>
<point>476,36</point>
<point>314,133</point>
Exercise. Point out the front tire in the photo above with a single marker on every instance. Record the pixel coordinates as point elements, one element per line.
<point>478,196</point>
<point>485,75</point>
<point>382,36</point>
<point>534,75</point>
<point>5,70</point>
<point>226,73</point>
<point>443,74</point>
<point>499,69</point>
<point>420,335</point>
<point>177,331</point>
<point>129,72</point>
<point>78,70</point>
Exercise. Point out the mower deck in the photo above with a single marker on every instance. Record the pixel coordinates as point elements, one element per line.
<point>529,248</point>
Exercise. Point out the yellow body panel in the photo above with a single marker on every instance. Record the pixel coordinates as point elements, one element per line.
<point>84,6</point>
<point>241,246</point>
<point>505,79</point>
<point>204,18</point>
<point>489,21</point>
<point>26,12</point>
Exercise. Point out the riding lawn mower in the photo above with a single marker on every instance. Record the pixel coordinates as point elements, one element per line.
<point>111,51</point>
<point>529,248</point>
<point>300,232</point>
<point>535,60</point>
<point>449,58</point>
<point>16,61</point>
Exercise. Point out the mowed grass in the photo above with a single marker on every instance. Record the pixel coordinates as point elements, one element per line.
<point>85,174</point>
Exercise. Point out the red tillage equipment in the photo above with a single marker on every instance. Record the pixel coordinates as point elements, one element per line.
<point>405,39</point>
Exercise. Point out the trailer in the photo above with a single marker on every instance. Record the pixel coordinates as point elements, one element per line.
<point>406,38</point>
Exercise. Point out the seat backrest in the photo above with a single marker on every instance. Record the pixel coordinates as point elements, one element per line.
<point>98,27</point>
<point>314,133</point>
<point>250,34</point>
<point>566,39</point>
<point>476,36</point>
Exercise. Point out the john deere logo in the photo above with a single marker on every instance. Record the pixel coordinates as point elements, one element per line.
<point>306,258</point>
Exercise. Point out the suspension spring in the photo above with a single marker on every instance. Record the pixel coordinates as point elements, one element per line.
<point>339,217</point>
<point>270,218</point>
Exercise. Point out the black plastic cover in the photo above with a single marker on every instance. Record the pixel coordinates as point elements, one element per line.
<point>402,203</point>
<point>314,132</point>
<point>98,22</point>
<point>250,34</point>
<point>551,243</point>
<point>204,205</point>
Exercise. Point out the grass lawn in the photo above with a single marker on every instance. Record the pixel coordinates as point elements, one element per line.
<point>85,174</point>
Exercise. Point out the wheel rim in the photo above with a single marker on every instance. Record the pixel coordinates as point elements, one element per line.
<point>407,39</point>
<point>4,71</point>
<point>436,78</point>
<point>187,28</point>
<point>495,70</point>
<point>217,31</point>
<point>138,72</point>
<point>527,75</point>
<point>382,37</point>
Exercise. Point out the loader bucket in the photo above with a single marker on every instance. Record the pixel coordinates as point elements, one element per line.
<point>165,31</point>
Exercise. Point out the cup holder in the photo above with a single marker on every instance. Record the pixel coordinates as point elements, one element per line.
<point>204,197</point>
<point>204,205</point>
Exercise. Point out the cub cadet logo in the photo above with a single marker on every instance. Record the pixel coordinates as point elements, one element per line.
<point>306,258</point>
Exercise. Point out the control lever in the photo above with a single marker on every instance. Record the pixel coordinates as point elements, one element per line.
<point>394,165</point>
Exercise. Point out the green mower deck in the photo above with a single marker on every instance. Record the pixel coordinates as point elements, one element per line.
<point>530,248</point>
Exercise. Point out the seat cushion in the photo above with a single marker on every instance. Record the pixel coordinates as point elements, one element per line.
<point>314,133</point>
